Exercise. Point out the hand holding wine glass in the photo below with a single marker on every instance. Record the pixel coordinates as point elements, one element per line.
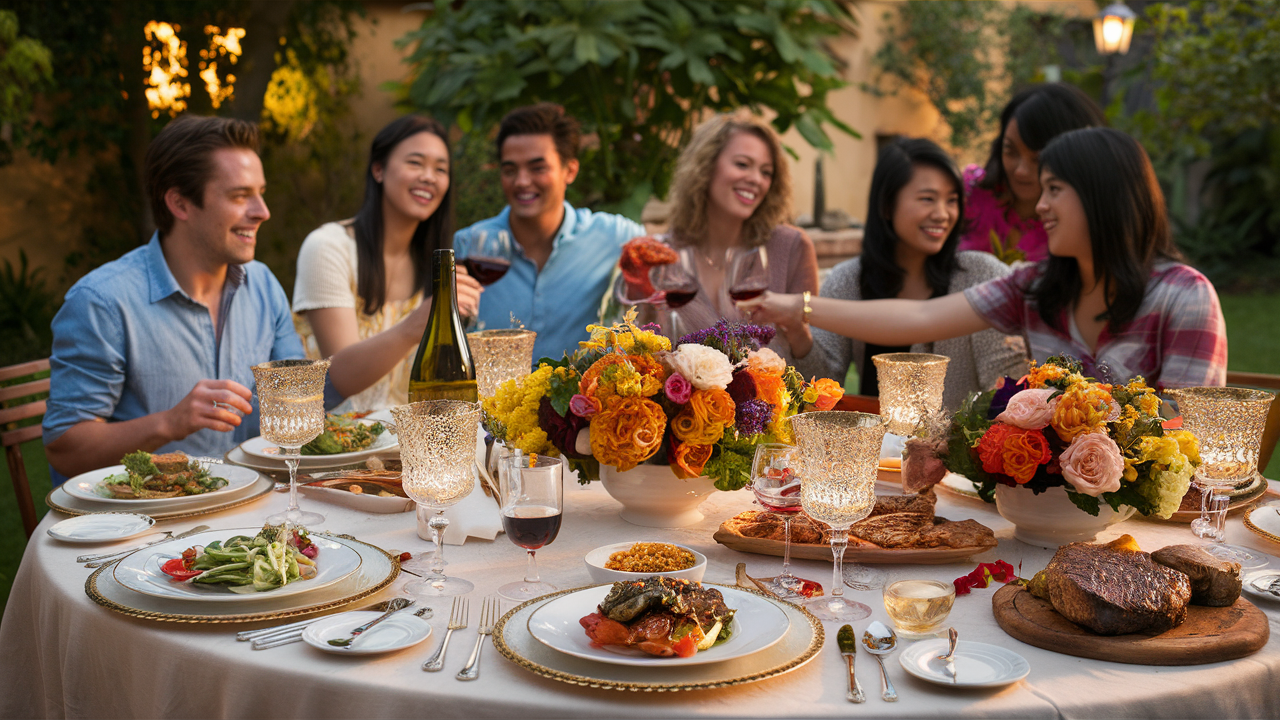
<point>532,506</point>
<point>748,276</point>
<point>677,283</point>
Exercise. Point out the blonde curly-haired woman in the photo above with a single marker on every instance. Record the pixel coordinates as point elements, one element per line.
<point>732,190</point>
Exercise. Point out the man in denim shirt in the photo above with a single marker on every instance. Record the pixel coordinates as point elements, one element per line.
<point>564,257</point>
<point>153,351</point>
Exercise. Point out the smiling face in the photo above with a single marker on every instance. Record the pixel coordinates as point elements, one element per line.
<point>1064,220</point>
<point>1021,165</point>
<point>925,212</point>
<point>743,175</point>
<point>534,176</point>
<point>415,178</point>
<point>225,227</point>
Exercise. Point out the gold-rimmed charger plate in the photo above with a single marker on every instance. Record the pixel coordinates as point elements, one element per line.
<point>1266,523</point>
<point>1240,499</point>
<point>62,501</point>
<point>801,644</point>
<point>377,571</point>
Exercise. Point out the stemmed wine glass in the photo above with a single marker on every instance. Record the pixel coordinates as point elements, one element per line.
<point>677,282</point>
<point>840,452</point>
<point>775,480</point>
<point>1228,422</point>
<point>438,453</point>
<point>291,414</point>
<point>487,257</point>
<point>748,275</point>
<point>532,488</point>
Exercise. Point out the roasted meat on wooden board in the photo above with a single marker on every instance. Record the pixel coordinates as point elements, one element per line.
<point>661,616</point>
<point>1214,582</point>
<point>1113,589</point>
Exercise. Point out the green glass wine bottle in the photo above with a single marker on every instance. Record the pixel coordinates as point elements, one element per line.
<point>443,369</point>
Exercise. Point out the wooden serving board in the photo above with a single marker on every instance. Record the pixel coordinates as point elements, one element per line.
<point>1209,634</point>
<point>859,550</point>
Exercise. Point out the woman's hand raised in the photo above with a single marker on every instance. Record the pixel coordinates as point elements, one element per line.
<point>777,308</point>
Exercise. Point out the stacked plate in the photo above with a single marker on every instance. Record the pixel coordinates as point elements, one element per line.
<point>347,571</point>
<point>261,454</point>
<point>83,494</point>
<point>769,638</point>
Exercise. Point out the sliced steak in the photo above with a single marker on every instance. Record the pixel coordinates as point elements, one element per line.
<point>1214,582</point>
<point>891,504</point>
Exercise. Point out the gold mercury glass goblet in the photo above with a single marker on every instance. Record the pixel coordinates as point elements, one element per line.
<point>500,355</point>
<point>840,452</point>
<point>291,414</point>
<point>910,388</point>
<point>1228,422</point>
<point>437,452</point>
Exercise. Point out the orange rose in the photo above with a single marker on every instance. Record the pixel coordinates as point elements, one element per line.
<point>1083,408</point>
<point>704,418</point>
<point>628,433</point>
<point>829,393</point>
<point>1024,452</point>
<point>688,460</point>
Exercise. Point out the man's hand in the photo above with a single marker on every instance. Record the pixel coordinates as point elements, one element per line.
<point>211,404</point>
<point>469,290</point>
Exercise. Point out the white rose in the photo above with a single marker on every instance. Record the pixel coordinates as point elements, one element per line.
<point>704,367</point>
<point>766,361</point>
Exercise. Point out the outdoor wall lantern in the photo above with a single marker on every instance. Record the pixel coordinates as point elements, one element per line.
<point>1113,29</point>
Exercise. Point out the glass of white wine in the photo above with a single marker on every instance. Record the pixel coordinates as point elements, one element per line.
<point>291,414</point>
<point>919,607</point>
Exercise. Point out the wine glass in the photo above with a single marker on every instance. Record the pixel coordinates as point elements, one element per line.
<point>438,452</point>
<point>291,409</point>
<point>677,283</point>
<point>532,489</point>
<point>840,451</point>
<point>775,480</point>
<point>748,275</point>
<point>1228,422</point>
<point>487,257</point>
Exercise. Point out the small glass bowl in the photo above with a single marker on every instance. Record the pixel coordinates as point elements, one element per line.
<point>918,608</point>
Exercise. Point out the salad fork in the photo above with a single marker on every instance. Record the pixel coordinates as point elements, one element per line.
<point>457,621</point>
<point>94,561</point>
<point>489,613</point>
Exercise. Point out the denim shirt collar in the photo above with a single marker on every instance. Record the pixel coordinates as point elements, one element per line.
<point>162,282</point>
<point>564,234</point>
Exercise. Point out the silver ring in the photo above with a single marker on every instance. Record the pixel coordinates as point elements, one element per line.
<point>217,405</point>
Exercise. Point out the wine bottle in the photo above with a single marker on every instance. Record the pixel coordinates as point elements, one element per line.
<point>442,369</point>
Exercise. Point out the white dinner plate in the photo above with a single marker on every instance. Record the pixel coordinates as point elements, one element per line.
<point>959,485</point>
<point>1255,582</point>
<point>87,487</point>
<point>261,448</point>
<point>1264,520</point>
<point>402,630</point>
<point>757,624</point>
<point>141,571</point>
<point>978,665</point>
<point>101,527</point>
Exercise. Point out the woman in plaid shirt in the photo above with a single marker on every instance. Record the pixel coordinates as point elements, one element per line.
<point>1113,292</point>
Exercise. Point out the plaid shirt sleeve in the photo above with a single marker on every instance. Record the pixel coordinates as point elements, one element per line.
<point>1003,302</point>
<point>1193,334</point>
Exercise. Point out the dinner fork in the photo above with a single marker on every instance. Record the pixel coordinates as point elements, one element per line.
<point>457,621</point>
<point>489,612</point>
<point>94,561</point>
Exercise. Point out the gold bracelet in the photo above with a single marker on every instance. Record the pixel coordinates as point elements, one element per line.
<point>805,314</point>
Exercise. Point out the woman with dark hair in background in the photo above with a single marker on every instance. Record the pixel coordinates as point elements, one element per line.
<point>1112,292</point>
<point>915,212</point>
<point>359,290</point>
<point>1001,209</point>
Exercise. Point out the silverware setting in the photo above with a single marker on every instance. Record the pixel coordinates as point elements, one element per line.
<point>490,610</point>
<point>457,621</point>
<point>393,607</point>
<point>879,640</point>
<point>950,658</point>
<point>93,561</point>
<point>292,633</point>
<point>849,649</point>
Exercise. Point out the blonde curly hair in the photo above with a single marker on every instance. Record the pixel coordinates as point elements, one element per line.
<point>690,187</point>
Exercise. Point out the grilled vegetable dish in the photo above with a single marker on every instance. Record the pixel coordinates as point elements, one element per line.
<point>344,434</point>
<point>266,561</point>
<point>661,616</point>
<point>149,477</point>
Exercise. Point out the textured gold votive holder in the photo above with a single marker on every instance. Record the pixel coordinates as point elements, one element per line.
<point>290,400</point>
<point>437,449</point>
<point>910,388</point>
<point>841,451</point>
<point>1228,422</point>
<point>500,355</point>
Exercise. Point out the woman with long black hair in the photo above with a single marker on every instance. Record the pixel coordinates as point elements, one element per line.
<point>1113,292</point>
<point>359,290</point>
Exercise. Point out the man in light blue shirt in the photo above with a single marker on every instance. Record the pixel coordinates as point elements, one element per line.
<point>153,351</point>
<point>563,257</point>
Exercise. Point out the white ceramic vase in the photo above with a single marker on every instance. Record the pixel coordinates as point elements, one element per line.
<point>1050,519</point>
<point>652,495</point>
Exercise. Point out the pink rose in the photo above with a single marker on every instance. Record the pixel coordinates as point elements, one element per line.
<point>1029,409</point>
<point>1092,464</point>
<point>678,388</point>
<point>584,406</point>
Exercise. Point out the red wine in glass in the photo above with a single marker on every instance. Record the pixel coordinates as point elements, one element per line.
<point>747,292</point>
<point>531,526</point>
<point>486,270</point>
<point>680,297</point>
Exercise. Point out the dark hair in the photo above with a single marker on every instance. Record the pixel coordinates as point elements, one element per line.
<point>1125,212</point>
<point>432,233</point>
<point>1043,112</point>
<point>179,157</point>
<point>542,119</point>
<point>881,276</point>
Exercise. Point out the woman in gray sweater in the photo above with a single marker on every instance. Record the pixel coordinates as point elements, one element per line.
<point>916,217</point>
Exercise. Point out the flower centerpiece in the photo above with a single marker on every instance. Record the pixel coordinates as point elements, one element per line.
<point>627,398</point>
<point>1103,443</point>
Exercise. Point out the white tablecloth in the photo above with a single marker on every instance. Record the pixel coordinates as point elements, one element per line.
<point>64,656</point>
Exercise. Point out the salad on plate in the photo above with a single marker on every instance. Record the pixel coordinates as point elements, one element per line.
<point>151,477</point>
<point>271,559</point>
<point>344,434</point>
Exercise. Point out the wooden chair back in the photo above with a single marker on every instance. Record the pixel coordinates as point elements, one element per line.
<point>1271,432</point>
<point>12,436</point>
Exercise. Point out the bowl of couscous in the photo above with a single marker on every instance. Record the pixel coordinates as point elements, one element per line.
<point>640,559</point>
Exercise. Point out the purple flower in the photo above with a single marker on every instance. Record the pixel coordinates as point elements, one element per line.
<point>733,339</point>
<point>752,417</point>
<point>1006,389</point>
<point>743,387</point>
<point>583,406</point>
<point>678,388</point>
<point>654,328</point>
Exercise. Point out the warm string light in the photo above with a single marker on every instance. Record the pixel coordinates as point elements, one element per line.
<point>220,45</point>
<point>165,64</point>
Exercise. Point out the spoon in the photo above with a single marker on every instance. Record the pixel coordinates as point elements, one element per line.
<point>393,607</point>
<point>881,640</point>
<point>849,648</point>
<point>950,657</point>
